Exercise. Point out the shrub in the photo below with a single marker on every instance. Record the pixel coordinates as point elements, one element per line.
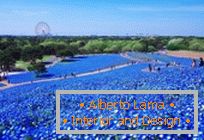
<point>196,45</point>
<point>95,46</point>
<point>177,44</point>
<point>137,46</point>
<point>113,49</point>
<point>151,49</point>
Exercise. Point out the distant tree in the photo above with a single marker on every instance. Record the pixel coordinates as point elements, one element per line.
<point>8,58</point>
<point>137,46</point>
<point>50,47</point>
<point>1,60</point>
<point>127,48</point>
<point>64,53</point>
<point>95,46</point>
<point>75,46</point>
<point>153,43</point>
<point>151,49</point>
<point>146,43</point>
<point>177,44</point>
<point>158,42</point>
<point>81,43</point>
<point>113,49</point>
<point>39,68</point>
<point>196,45</point>
<point>59,48</point>
<point>15,53</point>
<point>34,41</point>
<point>32,54</point>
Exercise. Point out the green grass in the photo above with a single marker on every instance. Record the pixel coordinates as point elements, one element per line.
<point>45,58</point>
<point>24,65</point>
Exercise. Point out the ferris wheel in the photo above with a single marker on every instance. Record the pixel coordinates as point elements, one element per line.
<point>42,29</point>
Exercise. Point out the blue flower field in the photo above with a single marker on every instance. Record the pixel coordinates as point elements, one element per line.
<point>76,65</point>
<point>28,111</point>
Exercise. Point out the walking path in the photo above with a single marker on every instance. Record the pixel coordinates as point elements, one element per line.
<point>111,68</point>
<point>54,61</point>
<point>129,57</point>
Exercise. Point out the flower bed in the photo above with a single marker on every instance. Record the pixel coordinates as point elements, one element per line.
<point>29,111</point>
<point>1,85</point>
<point>77,65</point>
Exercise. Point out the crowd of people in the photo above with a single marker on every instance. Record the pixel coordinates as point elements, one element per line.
<point>194,64</point>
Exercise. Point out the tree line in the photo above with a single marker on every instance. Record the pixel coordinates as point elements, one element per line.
<point>32,49</point>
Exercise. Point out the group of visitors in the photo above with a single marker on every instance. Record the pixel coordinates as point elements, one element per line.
<point>193,65</point>
<point>201,63</point>
<point>71,74</point>
<point>153,68</point>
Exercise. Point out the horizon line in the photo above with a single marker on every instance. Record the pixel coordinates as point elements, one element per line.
<point>50,36</point>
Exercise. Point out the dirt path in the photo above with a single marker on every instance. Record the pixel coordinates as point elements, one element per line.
<point>56,60</point>
<point>187,54</point>
<point>125,55</point>
<point>111,68</point>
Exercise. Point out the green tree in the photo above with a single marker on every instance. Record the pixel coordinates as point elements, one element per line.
<point>95,46</point>
<point>8,59</point>
<point>1,60</point>
<point>151,49</point>
<point>196,45</point>
<point>145,43</point>
<point>32,54</point>
<point>64,53</point>
<point>177,44</point>
<point>39,68</point>
<point>137,46</point>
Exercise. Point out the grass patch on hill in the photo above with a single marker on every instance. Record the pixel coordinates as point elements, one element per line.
<point>24,65</point>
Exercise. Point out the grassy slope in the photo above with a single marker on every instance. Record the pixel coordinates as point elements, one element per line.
<point>24,65</point>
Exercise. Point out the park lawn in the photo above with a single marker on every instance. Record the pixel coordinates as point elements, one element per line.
<point>187,54</point>
<point>24,65</point>
<point>47,57</point>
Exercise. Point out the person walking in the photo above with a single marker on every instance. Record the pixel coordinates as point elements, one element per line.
<point>201,64</point>
<point>193,65</point>
<point>150,67</point>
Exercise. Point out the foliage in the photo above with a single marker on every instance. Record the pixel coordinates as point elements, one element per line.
<point>196,45</point>
<point>177,44</point>
<point>151,49</point>
<point>32,53</point>
<point>22,65</point>
<point>30,49</point>
<point>39,68</point>
<point>95,46</point>
<point>112,46</point>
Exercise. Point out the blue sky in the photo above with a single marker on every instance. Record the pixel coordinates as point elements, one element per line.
<point>103,17</point>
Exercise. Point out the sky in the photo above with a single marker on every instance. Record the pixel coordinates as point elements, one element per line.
<point>103,17</point>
